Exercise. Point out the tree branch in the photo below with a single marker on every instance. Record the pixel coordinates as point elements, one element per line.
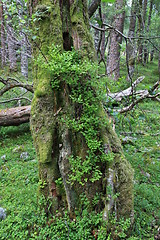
<point>127,92</point>
<point>93,7</point>
<point>13,83</point>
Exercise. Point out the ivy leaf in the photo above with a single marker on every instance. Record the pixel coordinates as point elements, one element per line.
<point>108,1</point>
<point>34,37</point>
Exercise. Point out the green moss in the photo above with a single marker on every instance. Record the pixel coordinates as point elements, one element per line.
<point>124,186</point>
<point>45,143</point>
<point>81,130</point>
<point>80,30</point>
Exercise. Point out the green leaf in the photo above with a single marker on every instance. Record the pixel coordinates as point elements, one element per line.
<point>108,1</point>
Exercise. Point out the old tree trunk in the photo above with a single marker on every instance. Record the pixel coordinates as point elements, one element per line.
<point>74,141</point>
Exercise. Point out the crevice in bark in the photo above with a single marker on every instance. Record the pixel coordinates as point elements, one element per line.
<point>67,41</point>
<point>66,24</point>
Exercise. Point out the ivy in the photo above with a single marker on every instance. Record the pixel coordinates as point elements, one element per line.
<point>85,93</point>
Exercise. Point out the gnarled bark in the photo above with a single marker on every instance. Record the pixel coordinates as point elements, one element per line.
<point>55,141</point>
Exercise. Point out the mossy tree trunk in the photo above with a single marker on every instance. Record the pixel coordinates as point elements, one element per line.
<point>66,24</point>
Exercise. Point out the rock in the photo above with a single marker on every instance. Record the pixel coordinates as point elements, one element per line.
<point>2,213</point>
<point>24,155</point>
<point>18,149</point>
<point>128,140</point>
<point>3,157</point>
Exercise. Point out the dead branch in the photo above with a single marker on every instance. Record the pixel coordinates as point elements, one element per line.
<point>15,99</point>
<point>127,92</point>
<point>144,96</point>
<point>11,83</point>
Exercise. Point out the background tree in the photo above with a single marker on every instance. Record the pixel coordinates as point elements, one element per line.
<point>115,40</point>
<point>3,37</point>
<point>131,47</point>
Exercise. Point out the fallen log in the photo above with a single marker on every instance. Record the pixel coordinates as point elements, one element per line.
<point>127,92</point>
<point>14,116</point>
<point>18,115</point>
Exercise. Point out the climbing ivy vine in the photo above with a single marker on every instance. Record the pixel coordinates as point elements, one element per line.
<point>86,93</point>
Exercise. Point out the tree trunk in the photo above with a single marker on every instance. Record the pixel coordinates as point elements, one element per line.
<point>11,46</point>
<point>152,55</point>
<point>3,40</point>
<point>130,54</point>
<point>60,146</point>
<point>93,7</point>
<point>144,30</point>
<point>113,67</point>
<point>159,65</point>
<point>14,116</point>
<point>148,25</point>
<point>23,41</point>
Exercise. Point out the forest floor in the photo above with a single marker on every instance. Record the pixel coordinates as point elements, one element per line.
<point>140,134</point>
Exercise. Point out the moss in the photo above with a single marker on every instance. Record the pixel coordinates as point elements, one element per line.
<point>42,11</point>
<point>53,146</point>
<point>124,186</point>
<point>80,30</point>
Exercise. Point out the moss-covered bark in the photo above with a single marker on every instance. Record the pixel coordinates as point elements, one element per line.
<point>65,23</point>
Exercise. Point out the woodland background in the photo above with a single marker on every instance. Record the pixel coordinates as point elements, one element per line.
<point>127,42</point>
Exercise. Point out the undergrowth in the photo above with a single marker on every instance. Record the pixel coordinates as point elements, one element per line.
<point>139,132</point>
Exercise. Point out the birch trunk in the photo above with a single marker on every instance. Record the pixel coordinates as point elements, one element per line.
<point>11,43</point>
<point>3,39</point>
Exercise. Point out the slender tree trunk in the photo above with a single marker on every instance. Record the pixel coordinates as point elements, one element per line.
<point>144,30</point>
<point>55,141</point>
<point>96,36</point>
<point>24,45</point>
<point>3,39</point>
<point>11,43</point>
<point>24,56</point>
<point>103,37</point>
<point>149,23</point>
<point>93,7</point>
<point>113,62</point>
<point>140,27</point>
<point>152,55</point>
<point>159,65</point>
<point>131,53</point>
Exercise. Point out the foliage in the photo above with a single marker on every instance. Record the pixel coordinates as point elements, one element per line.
<point>19,181</point>
<point>86,93</point>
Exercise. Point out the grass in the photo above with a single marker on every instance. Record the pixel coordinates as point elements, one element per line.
<point>19,177</point>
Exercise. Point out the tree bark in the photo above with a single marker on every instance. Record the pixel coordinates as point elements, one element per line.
<point>93,7</point>
<point>144,30</point>
<point>3,39</point>
<point>113,61</point>
<point>23,40</point>
<point>11,46</point>
<point>130,51</point>
<point>148,25</point>
<point>56,142</point>
<point>139,27</point>
<point>15,116</point>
